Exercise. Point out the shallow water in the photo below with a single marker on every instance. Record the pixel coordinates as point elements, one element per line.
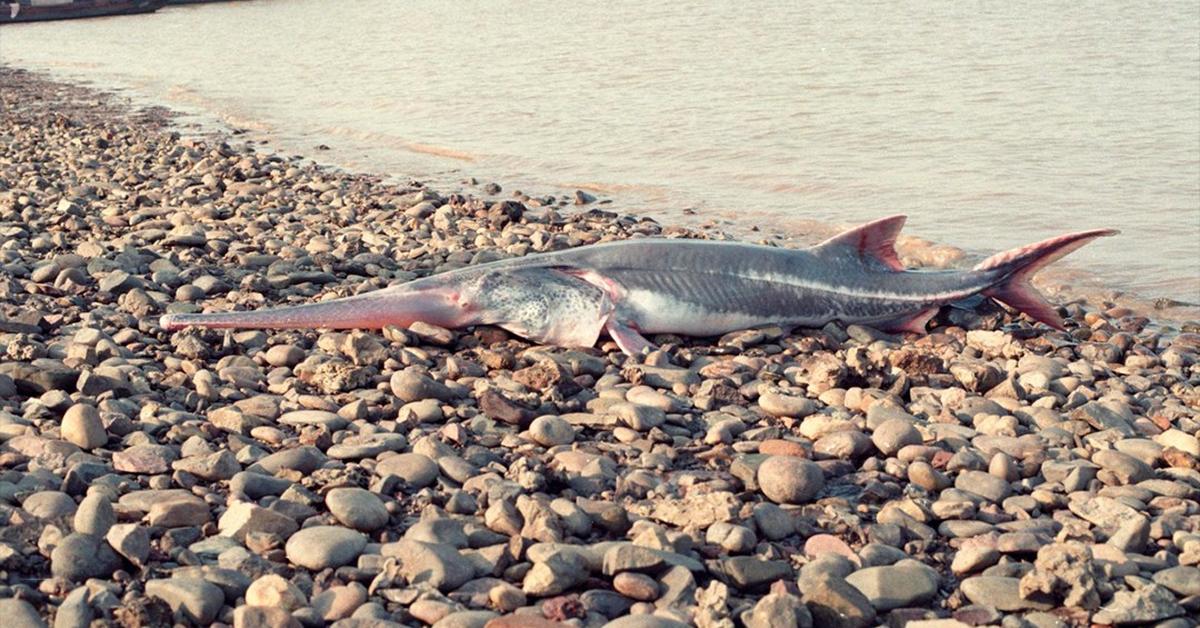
<point>990,125</point>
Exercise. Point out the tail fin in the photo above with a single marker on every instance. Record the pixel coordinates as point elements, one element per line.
<point>1019,265</point>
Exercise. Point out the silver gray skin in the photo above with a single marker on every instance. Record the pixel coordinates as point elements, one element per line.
<point>688,287</point>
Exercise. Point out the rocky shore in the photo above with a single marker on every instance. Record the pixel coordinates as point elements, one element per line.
<point>992,473</point>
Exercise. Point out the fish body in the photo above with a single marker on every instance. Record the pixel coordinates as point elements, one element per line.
<point>688,287</point>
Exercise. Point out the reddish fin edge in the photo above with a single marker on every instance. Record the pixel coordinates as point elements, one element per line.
<point>1016,290</point>
<point>875,240</point>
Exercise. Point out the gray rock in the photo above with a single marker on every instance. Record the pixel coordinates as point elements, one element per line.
<point>357,508</point>
<point>243,518</point>
<point>82,427</point>
<point>790,480</point>
<point>144,459</point>
<point>466,619</point>
<point>81,556</point>
<point>322,547</point>
<point>1002,593</point>
<point>74,612</point>
<point>891,435</point>
<point>733,538</point>
<point>257,485</point>
<point>192,598</point>
<point>1147,604</point>
<point>907,583</point>
<point>781,405</point>
<point>836,604</point>
<point>49,504</point>
<point>95,515</point>
<point>439,532</point>
<point>263,617</point>
<point>1119,468</point>
<point>412,385</point>
<point>303,459</point>
<point>179,512</point>
<point>367,446</point>
<point>644,621</point>
<point>773,522</point>
<point>220,465</point>
<point>983,484</point>
<point>551,431</point>
<point>416,470</point>
<point>20,614</point>
<point>439,566</point>
<point>554,575</point>
<point>779,610</point>
<point>749,572</point>
<point>1183,580</point>
<point>1107,513</point>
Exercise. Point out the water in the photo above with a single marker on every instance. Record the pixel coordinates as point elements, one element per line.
<point>989,124</point>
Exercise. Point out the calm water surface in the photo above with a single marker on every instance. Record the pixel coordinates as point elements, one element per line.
<point>990,124</point>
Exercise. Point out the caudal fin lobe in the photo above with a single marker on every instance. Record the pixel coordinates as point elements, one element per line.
<point>1019,265</point>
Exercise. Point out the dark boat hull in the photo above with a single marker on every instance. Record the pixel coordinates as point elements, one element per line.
<point>12,12</point>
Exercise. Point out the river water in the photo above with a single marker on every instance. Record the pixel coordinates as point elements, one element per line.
<point>990,124</point>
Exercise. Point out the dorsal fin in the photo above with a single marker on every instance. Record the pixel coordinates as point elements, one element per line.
<point>874,241</point>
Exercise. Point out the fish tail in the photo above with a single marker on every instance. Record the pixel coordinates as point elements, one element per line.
<point>399,306</point>
<point>1018,266</point>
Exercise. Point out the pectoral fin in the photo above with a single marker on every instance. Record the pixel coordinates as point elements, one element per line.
<point>627,338</point>
<point>543,305</point>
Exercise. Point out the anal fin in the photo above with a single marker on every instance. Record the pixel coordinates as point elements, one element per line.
<point>914,324</point>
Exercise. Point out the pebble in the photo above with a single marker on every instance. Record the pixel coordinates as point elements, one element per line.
<point>80,556</point>
<point>192,598</point>
<point>207,468</point>
<point>790,480</point>
<point>322,547</point>
<point>49,505</point>
<point>892,435</point>
<point>20,614</point>
<point>81,426</point>
<point>907,583</point>
<point>416,470</point>
<point>1002,593</point>
<point>273,590</point>
<point>357,508</point>
<point>636,586</point>
<point>339,602</point>
<point>95,515</point>
<point>551,431</point>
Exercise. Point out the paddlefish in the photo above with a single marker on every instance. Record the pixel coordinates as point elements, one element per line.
<point>633,288</point>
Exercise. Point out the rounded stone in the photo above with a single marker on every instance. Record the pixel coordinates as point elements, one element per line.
<point>893,434</point>
<point>81,556</point>
<point>284,355</point>
<point>417,470</point>
<point>322,547</point>
<point>357,508</point>
<point>274,590</point>
<point>95,515</point>
<point>19,613</point>
<point>790,480</point>
<point>49,504</point>
<point>82,427</point>
<point>636,586</point>
<point>339,602</point>
<point>551,431</point>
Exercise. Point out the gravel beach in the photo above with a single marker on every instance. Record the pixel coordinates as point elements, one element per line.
<point>991,473</point>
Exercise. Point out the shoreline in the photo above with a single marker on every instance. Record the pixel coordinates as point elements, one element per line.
<point>1067,281</point>
<point>989,473</point>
